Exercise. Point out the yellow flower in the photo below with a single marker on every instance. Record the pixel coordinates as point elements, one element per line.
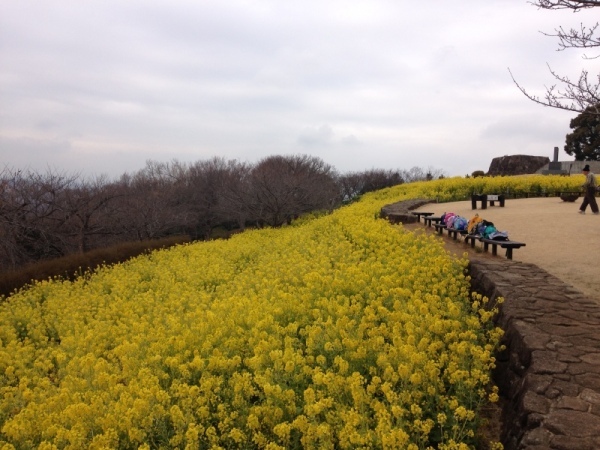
<point>342,326</point>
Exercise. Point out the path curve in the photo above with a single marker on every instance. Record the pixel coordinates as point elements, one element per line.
<point>559,239</point>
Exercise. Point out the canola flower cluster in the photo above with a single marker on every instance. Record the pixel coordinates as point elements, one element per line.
<point>340,332</point>
<point>458,188</point>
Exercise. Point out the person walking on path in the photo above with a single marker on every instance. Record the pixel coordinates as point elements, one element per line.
<point>590,191</point>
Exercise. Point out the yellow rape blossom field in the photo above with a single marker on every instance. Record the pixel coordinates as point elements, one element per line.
<point>341,331</point>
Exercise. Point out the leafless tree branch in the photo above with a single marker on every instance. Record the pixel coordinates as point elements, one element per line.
<point>583,37</point>
<point>581,95</point>
<point>577,96</point>
<point>575,5</point>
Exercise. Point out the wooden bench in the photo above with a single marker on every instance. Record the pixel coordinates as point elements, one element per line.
<point>484,199</point>
<point>472,238</point>
<point>508,245</point>
<point>452,232</point>
<point>440,227</point>
<point>430,220</point>
<point>420,214</point>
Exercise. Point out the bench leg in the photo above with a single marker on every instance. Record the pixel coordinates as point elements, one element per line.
<point>509,253</point>
<point>472,243</point>
<point>494,249</point>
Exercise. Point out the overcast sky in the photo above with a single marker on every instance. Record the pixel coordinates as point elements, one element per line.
<point>100,87</point>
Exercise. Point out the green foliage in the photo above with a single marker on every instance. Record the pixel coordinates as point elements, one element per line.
<point>584,141</point>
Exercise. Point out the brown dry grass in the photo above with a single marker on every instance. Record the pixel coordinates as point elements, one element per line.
<point>68,267</point>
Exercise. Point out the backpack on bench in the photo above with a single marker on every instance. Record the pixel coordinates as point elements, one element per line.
<point>487,230</point>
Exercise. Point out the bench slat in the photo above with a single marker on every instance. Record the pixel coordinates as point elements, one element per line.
<point>508,245</point>
<point>430,220</point>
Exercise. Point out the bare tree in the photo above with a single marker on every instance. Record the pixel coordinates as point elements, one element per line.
<point>283,187</point>
<point>147,208</point>
<point>354,184</point>
<point>583,93</point>
<point>14,201</point>
<point>31,227</point>
<point>575,5</point>
<point>198,191</point>
<point>351,186</point>
<point>85,209</point>
<point>45,215</point>
<point>420,174</point>
<point>235,194</point>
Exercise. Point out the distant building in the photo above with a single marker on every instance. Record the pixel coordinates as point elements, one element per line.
<point>557,167</point>
<point>572,167</point>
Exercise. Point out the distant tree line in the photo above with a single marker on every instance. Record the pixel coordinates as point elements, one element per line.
<point>48,215</point>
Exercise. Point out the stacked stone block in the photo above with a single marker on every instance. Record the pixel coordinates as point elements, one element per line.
<point>549,373</point>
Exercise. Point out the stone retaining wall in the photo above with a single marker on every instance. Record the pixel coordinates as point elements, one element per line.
<point>549,373</point>
<point>400,212</point>
<point>550,370</point>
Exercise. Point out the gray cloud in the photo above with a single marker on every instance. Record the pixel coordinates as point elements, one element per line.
<point>524,127</point>
<point>317,136</point>
<point>361,84</point>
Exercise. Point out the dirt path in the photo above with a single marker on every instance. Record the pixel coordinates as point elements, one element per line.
<point>559,240</point>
